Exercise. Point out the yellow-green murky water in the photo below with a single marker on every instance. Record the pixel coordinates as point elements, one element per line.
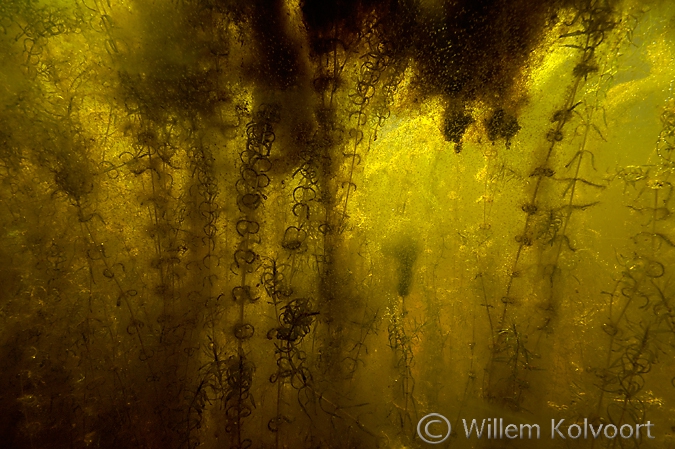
<point>270,224</point>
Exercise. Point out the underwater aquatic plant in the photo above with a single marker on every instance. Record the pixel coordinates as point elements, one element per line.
<point>638,308</point>
<point>593,20</point>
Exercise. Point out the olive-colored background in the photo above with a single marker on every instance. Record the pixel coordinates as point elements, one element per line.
<point>269,224</point>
